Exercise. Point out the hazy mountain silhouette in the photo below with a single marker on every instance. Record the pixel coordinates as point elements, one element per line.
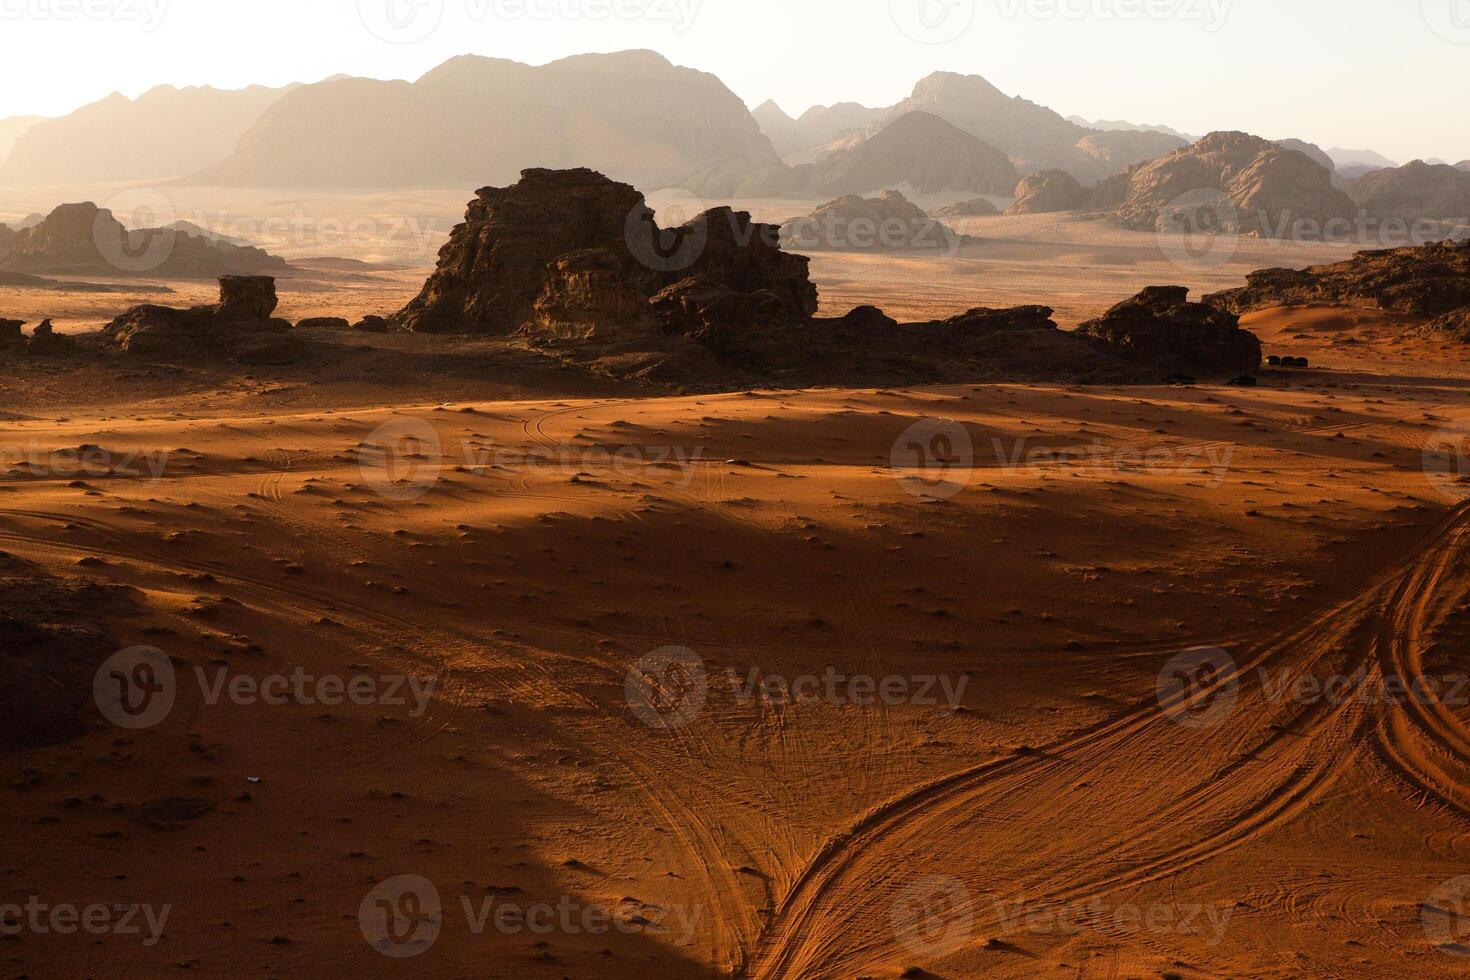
<point>817,127</point>
<point>1035,137</point>
<point>165,133</point>
<point>11,130</point>
<point>475,121</point>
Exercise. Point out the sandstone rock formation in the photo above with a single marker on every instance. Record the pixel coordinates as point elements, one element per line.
<point>1416,191</point>
<point>1430,281</point>
<point>1160,327</point>
<point>571,253</point>
<point>324,323</point>
<point>886,223</point>
<point>240,326</point>
<point>1251,185</point>
<point>476,120</point>
<point>918,149</point>
<point>1049,191</point>
<point>979,207</point>
<point>86,240</point>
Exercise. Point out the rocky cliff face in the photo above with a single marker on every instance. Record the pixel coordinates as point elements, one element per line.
<point>1414,192</point>
<point>1269,191</point>
<point>1161,328</point>
<point>1431,281</point>
<point>475,120</point>
<point>572,253</point>
<point>82,239</point>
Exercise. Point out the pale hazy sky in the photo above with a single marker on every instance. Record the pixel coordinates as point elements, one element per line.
<point>1392,75</point>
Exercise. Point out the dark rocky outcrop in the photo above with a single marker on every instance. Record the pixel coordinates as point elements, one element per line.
<point>10,332</point>
<point>83,239</point>
<point>1251,186</point>
<point>240,326</point>
<point>1414,192</point>
<point>1161,328</point>
<point>889,222</point>
<point>566,253</point>
<point>1429,281</point>
<point>574,264</point>
<point>323,323</point>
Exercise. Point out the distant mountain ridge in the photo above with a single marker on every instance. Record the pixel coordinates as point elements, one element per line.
<point>474,121</point>
<point>165,133</point>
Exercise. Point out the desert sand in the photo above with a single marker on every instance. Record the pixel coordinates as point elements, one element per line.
<point>1044,810</point>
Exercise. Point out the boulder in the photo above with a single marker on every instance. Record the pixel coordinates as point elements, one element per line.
<point>323,323</point>
<point>886,223</point>
<point>373,324</point>
<point>45,340</point>
<point>10,332</point>
<point>979,207</point>
<point>1048,192</point>
<point>1161,328</point>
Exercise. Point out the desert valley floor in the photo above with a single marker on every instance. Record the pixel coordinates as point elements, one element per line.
<point>1058,818</point>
